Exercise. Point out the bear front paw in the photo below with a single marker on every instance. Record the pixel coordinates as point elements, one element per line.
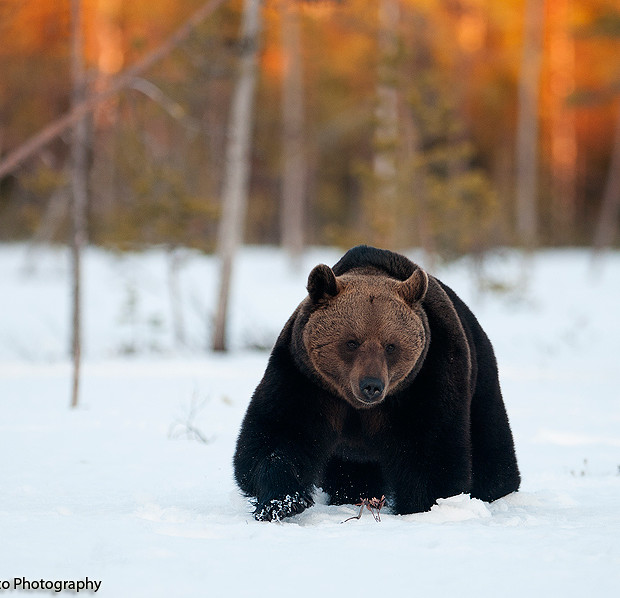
<point>277,509</point>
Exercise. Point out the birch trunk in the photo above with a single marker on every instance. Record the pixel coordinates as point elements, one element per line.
<point>79,185</point>
<point>293,155</point>
<point>386,132</point>
<point>563,126</point>
<point>607,225</point>
<point>236,176</point>
<point>527,124</point>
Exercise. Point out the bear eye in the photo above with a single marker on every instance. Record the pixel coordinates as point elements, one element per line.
<point>389,349</point>
<point>352,345</point>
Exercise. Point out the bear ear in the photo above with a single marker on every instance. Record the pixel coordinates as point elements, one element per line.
<point>322,283</point>
<point>413,290</point>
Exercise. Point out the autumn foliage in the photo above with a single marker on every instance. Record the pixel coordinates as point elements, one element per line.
<point>156,150</point>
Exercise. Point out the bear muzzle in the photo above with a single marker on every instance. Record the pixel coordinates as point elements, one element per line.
<point>371,390</point>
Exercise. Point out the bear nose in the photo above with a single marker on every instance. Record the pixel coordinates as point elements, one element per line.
<point>372,388</point>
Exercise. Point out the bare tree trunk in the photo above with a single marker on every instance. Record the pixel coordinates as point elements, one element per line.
<point>563,129</point>
<point>386,132</point>
<point>419,191</point>
<point>56,212</point>
<point>293,155</point>
<point>175,260</point>
<point>79,184</point>
<point>236,177</point>
<point>607,225</point>
<point>527,124</point>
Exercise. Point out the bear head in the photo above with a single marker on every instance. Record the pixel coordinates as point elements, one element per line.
<point>365,332</point>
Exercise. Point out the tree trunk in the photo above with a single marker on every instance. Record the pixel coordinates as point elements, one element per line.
<point>419,190</point>
<point>175,260</point>
<point>236,177</point>
<point>563,128</point>
<point>527,124</point>
<point>79,184</point>
<point>56,212</point>
<point>293,155</point>
<point>607,225</point>
<point>385,199</point>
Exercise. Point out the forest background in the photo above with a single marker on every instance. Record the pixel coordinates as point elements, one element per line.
<point>452,125</point>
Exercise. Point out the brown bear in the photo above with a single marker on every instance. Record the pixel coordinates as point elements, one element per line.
<point>382,382</point>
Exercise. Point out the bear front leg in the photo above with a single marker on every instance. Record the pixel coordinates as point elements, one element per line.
<point>280,480</point>
<point>282,441</point>
<point>410,494</point>
<point>278,508</point>
<point>278,488</point>
<point>416,481</point>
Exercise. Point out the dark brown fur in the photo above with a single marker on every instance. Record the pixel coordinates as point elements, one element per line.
<point>382,382</point>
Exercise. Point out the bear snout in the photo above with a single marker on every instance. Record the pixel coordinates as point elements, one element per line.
<point>371,389</point>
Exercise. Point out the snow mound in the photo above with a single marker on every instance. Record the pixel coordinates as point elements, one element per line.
<point>456,508</point>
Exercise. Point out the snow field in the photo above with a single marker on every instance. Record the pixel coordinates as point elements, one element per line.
<point>120,490</point>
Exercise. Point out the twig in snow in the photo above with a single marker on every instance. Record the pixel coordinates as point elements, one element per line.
<point>187,427</point>
<point>374,505</point>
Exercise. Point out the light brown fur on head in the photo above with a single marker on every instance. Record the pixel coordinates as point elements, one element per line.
<point>366,332</point>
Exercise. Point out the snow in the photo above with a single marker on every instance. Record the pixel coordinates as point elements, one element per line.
<point>122,491</point>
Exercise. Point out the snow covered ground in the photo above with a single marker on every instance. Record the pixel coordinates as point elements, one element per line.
<point>122,491</point>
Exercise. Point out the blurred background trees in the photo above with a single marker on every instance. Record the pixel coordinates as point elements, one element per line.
<point>400,131</point>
